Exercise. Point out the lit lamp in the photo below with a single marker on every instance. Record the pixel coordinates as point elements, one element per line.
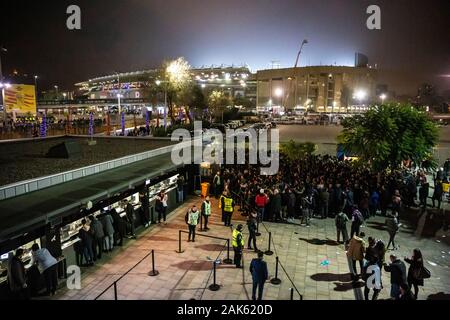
<point>382,97</point>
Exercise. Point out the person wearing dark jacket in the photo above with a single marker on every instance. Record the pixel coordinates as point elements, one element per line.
<point>276,205</point>
<point>260,274</point>
<point>108,227</point>
<point>86,243</point>
<point>145,208</point>
<point>437,194</point>
<point>119,226</point>
<point>97,237</point>
<point>415,268</point>
<point>251,225</point>
<point>423,193</point>
<point>130,219</point>
<point>398,275</point>
<point>17,277</point>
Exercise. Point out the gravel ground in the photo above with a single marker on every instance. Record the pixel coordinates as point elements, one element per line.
<point>26,160</point>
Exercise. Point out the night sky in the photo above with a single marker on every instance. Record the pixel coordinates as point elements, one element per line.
<point>129,35</point>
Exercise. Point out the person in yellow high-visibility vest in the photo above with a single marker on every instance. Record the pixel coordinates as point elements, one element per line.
<point>221,206</point>
<point>238,244</point>
<point>228,208</point>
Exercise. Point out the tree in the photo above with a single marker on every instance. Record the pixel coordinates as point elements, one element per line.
<point>217,102</point>
<point>386,135</point>
<point>296,150</point>
<point>194,99</point>
<point>176,81</point>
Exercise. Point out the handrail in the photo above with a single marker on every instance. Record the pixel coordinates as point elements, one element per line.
<point>115,282</point>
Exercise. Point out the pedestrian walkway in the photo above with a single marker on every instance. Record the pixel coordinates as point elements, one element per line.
<point>317,266</point>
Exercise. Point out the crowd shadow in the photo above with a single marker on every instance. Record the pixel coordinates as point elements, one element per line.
<point>343,282</point>
<point>211,247</point>
<point>439,296</point>
<point>194,265</point>
<point>320,242</point>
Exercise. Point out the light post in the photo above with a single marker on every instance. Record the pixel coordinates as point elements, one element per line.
<point>158,83</point>
<point>4,86</point>
<point>383,97</point>
<point>35,87</point>
<point>64,95</point>
<point>57,93</point>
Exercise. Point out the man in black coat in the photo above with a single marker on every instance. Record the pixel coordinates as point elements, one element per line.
<point>130,218</point>
<point>251,224</point>
<point>258,269</point>
<point>119,227</point>
<point>397,268</point>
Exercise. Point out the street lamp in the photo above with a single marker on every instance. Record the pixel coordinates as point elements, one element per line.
<point>35,87</point>
<point>383,97</point>
<point>64,95</point>
<point>57,94</point>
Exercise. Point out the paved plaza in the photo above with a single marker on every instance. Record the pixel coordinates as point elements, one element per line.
<point>315,263</point>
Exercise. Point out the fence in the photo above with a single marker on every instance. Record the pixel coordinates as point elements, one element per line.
<point>152,273</point>
<point>275,280</point>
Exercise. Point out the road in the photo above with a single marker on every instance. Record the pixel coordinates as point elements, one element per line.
<point>325,138</point>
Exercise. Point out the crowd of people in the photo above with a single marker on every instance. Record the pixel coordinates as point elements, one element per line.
<point>322,187</point>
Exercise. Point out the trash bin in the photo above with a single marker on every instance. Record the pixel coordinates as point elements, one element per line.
<point>205,189</point>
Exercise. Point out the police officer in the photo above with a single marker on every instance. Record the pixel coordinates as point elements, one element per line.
<point>206,211</point>
<point>238,243</point>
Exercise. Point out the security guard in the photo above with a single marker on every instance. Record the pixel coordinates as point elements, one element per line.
<point>228,208</point>
<point>238,245</point>
<point>221,206</point>
<point>206,211</point>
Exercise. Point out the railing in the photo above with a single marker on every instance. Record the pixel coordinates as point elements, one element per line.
<point>226,261</point>
<point>22,187</point>
<point>153,272</point>
<point>275,280</point>
<point>214,286</point>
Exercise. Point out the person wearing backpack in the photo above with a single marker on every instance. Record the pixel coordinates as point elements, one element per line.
<point>341,226</point>
<point>191,219</point>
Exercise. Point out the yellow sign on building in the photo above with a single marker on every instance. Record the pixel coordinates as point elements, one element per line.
<point>20,98</point>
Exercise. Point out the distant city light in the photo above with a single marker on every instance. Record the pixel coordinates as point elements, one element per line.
<point>360,95</point>
<point>278,92</point>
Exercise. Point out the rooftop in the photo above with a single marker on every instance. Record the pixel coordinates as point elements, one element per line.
<point>25,159</point>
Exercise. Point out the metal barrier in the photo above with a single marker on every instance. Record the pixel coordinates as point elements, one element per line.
<point>276,280</point>
<point>226,261</point>
<point>153,272</point>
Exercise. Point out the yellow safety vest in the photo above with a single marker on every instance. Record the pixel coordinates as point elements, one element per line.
<point>234,242</point>
<point>207,208</point>
<point>228,204</point>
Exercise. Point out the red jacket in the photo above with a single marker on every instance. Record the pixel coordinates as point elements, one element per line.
<point>261,200</point>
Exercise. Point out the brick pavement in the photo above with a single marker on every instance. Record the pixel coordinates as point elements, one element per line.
<point>300,249</point>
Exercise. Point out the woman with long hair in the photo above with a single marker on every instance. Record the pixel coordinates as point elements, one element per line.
<point>414,272</point>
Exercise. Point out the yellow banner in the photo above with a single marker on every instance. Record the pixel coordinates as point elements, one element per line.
<point>20,98</point>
